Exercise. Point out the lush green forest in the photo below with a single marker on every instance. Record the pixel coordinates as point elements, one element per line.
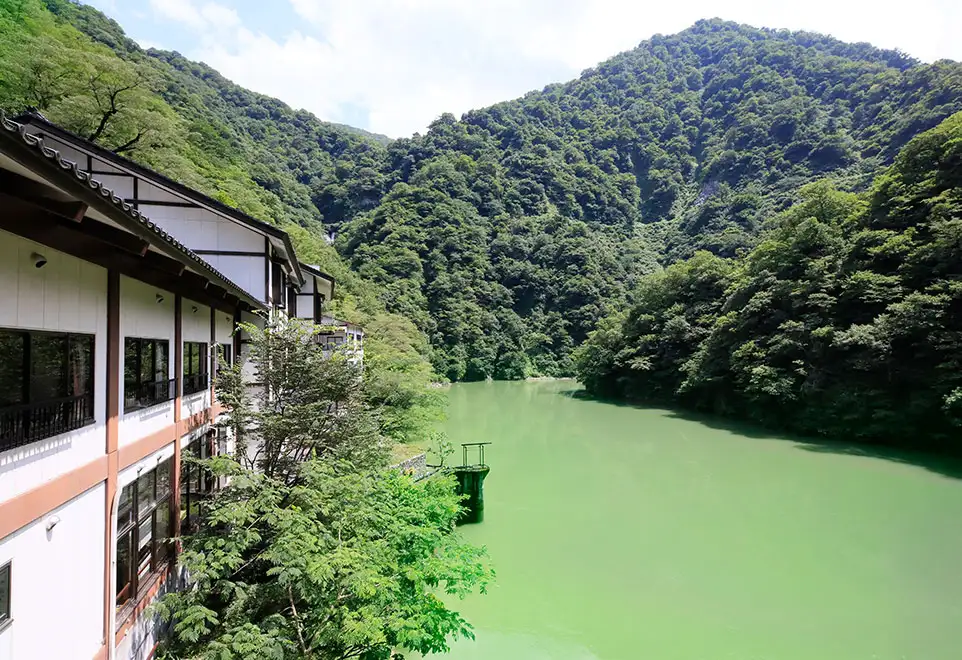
<point>183,119</point>
<point>507,235</point>
<point>845,320</point>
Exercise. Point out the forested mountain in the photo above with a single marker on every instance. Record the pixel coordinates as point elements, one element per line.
<point>845,320</point>
<point>521,224</point>
<point>506,235</point>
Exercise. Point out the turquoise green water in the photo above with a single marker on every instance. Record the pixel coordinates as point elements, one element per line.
<point>621,532</point>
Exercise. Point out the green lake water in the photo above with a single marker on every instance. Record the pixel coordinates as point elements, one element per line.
<point>629,532</point>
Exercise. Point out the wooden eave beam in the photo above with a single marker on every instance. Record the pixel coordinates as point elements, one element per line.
<point>37,194</point>
<point>164,263</point>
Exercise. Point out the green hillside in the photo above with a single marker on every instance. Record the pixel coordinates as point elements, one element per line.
<point>844,321</point>
<point>506,235</point>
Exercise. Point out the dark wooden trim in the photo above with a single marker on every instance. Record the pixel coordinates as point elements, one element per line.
<point>213,357</point>
<point>267,270</point>
<point>161,202</point>
<point>230,253</point>
<point>318,304</point>
<point>90,163</point>
<point>27,191</point>
<point>136,201</point>
<point>116,237</point>
<point>236,334</point>
<point>198,286</point>
<point>114,349</point>
<point>166,264</point>
<point>178,397</point>
<point>105,173</point>
<point>178,352</point>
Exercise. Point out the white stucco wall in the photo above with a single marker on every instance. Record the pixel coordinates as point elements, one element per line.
<point>247,272</point>
<point>57,583</point>
<point>196,327</point>
<point>67,295</point>
<point>224,333</point>
<point>141,315</point>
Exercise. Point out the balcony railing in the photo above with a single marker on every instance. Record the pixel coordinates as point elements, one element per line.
<point>29,422</point>
<point>145,395</point>
<point>195,383</point>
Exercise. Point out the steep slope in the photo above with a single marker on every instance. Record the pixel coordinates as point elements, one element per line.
<point>510,232</point>
<point>245,149</point>
<point>846,320</point>
<point>506,235</point>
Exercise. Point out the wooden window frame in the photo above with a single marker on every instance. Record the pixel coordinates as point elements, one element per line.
<point>196,485</point>
<point>160,552</point>
<point>6,617</point>
<point>203,354</point>
<point>139,382</point>
<point>72,410</point>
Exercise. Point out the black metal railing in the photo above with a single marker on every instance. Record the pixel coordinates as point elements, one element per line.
<point>195,383</point>
<point>150,394</point>
<point>25,423</point>
<point>466,446</point>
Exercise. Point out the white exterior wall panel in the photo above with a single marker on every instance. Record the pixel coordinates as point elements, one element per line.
<point>196,327</point>
<point>245,271</point>
<point>66,295</point>
<point>57,583</point>
<point>121,184</point>
<point>224,328</point>
<point>143,316</point>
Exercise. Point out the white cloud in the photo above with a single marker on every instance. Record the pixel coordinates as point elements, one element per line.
<point>394,65</point>
<point>205,16</point>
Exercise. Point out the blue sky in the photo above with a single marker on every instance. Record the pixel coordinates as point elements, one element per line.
<point>392,66</point>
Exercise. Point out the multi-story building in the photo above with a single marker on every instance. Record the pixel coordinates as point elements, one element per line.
<point>111,325</point>
<point>342,336</point>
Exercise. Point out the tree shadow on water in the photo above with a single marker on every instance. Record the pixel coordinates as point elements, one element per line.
<point>943,462</point>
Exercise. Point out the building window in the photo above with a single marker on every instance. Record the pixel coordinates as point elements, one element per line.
<point>196,483</point>
<point>195,367</point>
<point>143,531</point>
<point>46,385</point>
<point>146,373</point>
<point>4,594</point>
<point>225,360</point>
<point>277,286</point>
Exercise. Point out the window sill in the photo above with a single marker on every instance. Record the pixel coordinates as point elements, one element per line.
<point>5,624</point>
<point>135,409</point>
<point>134,607</point>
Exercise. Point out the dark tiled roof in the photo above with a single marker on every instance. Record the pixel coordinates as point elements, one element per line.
<point>70,169</point>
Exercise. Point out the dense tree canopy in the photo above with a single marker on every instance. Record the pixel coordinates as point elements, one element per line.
<point>845,320</point>
<point>506,235</point>
<point>313,550</point>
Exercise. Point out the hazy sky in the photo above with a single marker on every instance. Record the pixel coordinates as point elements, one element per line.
<point>392,66</point>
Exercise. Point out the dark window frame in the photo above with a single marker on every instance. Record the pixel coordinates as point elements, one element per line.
<point>277,284</point>
<point>29,415</point>
<point>6,596</point>
<point>225,356</point>
<point>196,483</point>
<point>195,380</point>
<point>140,393</point>
<point>138,512</point>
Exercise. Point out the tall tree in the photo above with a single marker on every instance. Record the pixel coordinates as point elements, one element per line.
<point>314,549</point>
